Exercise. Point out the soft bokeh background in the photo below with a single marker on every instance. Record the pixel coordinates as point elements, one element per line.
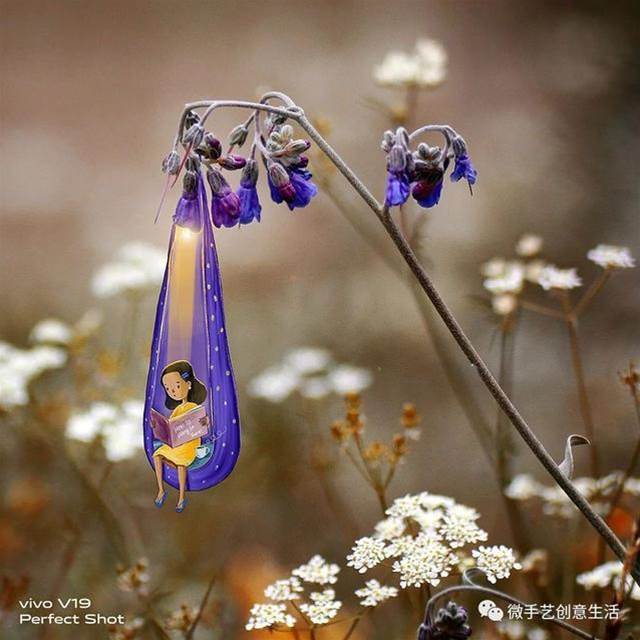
<point>546,96</point>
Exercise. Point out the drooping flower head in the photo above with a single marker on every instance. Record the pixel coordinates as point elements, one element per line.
<point>421,172</point>
<point>225,204</point>
<point>450,623</point>
<point>248,194</point>
<point>188,210</point>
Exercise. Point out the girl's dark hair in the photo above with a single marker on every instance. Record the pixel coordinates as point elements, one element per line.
<point>197,393</point>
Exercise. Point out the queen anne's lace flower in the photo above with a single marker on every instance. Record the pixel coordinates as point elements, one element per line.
<point>425,564</point>
<point>553,278</point>
<point>459,531</point>
<point>317,571</point>
<point>366,554</point>
<point>607,574</point>
<point>434,501</point>
<point>496,562</point>
<point>404,507</point>
<point>529,245</point>
<point>510,280</point>
<point>373,593</point>
<point>322,608</point>
<point>390,528</point>
<point>609,256</point>
<point>284,590</point>
<point>266,616</point>
<point>522,487</point>
<point>424,67</point>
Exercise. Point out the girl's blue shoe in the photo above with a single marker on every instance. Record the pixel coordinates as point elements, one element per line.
<point>160,501</point>
<point>181,505</point>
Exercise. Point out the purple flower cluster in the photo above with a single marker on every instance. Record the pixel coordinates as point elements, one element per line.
<point>420,173</point>
<point>450,623</point>
<point>287,175</point>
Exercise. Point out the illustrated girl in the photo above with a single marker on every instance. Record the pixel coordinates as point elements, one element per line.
<point>183,392</point>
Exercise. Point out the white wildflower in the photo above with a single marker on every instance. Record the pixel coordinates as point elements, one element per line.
<point>373,593</point>
<point>317,571</point>
<point>284,590</point>
<point>425,564</point>
<point>138,266</point>
<point>462,511</point>
<point>459,531</point>
<point>551,277</point>
<point>529,245</point>
<point>274,384</point>
<point>306,360</point>
<point>119,427</point>
<point>493,268</point>
<point>390,528</point>
<point>347,379</point>
<point>322,608</point>
<point>429,520</point>
<point>434,501</point>
<point>523,487</point>
<point>366,554</point>
<point>266,616</point>
<point>400,546</point>
<point>424,67</point>
<point>510,280</point>
<point>504,304</point>
<point>533,269</point>
<point>51,331</point>
<point>496,562</point>
<point>405,507</point>
<point>315,388</point>
<point>609,256</point>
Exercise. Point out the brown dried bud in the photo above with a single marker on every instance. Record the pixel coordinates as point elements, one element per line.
<point>339,431</point>
<point>374,451</point>
<point>410,416</point>
<point>353,400</point>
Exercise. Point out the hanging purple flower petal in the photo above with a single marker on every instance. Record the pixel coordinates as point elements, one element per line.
<point>188,211</point>
<point>427,193</point>
<point>303,187</point>
<point>249,203</point>
<point>398,189</point>
<point>225,204</point>
<point>464,169</point>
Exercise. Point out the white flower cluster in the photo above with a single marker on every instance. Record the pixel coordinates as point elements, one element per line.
<point>373,593</point>
<point>317,571</point>
<point>311,372</point>
<point>555,501</point>
<point>423,534</point>
<point>551,277</point>
<point>425,66</point>
<point>138,266</point>
<point>609,256</point>
<point>51,331</point>
<point>267,616</point>
<point>119,427</point>
<point>606,575</point>
<point>284,590</point>
<point>18,367</point>
<point>323,606</point>
<point>496,562</point>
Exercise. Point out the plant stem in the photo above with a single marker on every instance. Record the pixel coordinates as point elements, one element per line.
<point>382,213</point>
<point>352,628</point>
<point>578,370</point>
<point>467,347</point>
<point>203,604</point>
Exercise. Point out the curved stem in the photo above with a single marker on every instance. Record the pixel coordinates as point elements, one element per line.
<point>382,213</point>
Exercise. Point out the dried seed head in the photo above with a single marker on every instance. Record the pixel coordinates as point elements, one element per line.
<point>353,400</point>
<point>374,451</point>
<point>238,135</point>
<point>171,163</point>
<point>339,431</point>
<point>410,416</point>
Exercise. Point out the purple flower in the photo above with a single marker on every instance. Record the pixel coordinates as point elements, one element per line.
<point>249,204</point>
<point>450,623</point>
<point>225,204</point>
<point>398,189</point>
<point>188,212</point>
<point>464,169</point>
<point>427,191</point>
<point>292,185</point>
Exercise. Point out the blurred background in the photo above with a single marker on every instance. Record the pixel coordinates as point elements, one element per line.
<point>546,96</point>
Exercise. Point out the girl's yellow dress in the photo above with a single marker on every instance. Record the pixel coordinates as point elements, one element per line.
<point>184,454</point>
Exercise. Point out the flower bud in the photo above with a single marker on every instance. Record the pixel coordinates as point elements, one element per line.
<point>387,141</point>
<point>459,146</point>
<point>397,159</point>
<point>249,176</point>
<point>212,147</point>
<point>275,119</point>
<point>171,163</point>
<point>232,162</point>
<point>278,174</point>
<point>238,136</point>
<point>190,119</point>
<point>296,146</point>
<point>217,182</point>
<point>194,135</point>
<point>190,182</point>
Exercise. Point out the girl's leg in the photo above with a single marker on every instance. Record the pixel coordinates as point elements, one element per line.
<point>182,481</point>
<point>157,463</point>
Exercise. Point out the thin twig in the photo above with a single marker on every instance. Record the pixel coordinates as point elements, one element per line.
<point>203,604</point>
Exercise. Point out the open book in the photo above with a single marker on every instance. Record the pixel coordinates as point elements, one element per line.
<point>176,431</point>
